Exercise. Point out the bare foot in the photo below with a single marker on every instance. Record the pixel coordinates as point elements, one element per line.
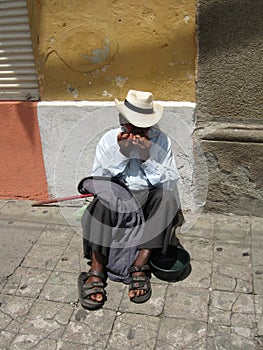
<point>141,260</point>
<point>97,264</point>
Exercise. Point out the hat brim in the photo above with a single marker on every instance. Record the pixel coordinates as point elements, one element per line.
<point>138,119</point>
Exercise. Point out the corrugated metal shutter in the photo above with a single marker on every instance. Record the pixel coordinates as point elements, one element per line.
<point>18,79</point>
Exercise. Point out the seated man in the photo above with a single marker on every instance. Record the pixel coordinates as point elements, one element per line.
<point>135,205</point>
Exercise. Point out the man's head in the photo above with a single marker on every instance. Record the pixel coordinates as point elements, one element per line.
<point>132,129</point>
<point>139,109</point>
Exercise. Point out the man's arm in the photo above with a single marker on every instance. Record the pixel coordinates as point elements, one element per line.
<point>108,159</point>
<point>160,168</point>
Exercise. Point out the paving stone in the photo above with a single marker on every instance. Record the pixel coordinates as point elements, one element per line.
<point>6,339</point>
<point>71,346</point>
<point>259,314</point>
<point>14,306</point>
<point>5,319</point>
<point>43,256</point>
<point>42,328</point>
<point>189,303</point>
<point>83,264</point>
<point>61,287</point>
<point>155,279</point>
<point>2,283</point>
<point>225,341</point>
<point>232,278</point>
<point>22,210</point>
<point>232,253</point>
<point>256,232</point>
<point>15,325</point>
<point>226,308</point>
<point>232,229</point>
<point>257,256</point>
<point>38,304</point>
<point>198,248</point>
<point>45,320</point>
<point>221,304</point>
<point>153,307</point>
<point>203,227</point>
<point>63,278</point>
<point>2,203</point>
<point>71,217</point>
<point>243,320</point>
<point>90,328</point>
<point>133,331</point>
<point>45,344</point>
<point>176,333</point>
<point>257,243</point>
<point>76,242</point>
<point>200,276</point>
<point>76,249</point>
<point>217,328</point>
<point>161,345</point>
<point>244,304</point>
<point>47,310</point>
<point>24,342</point>
<point>258,280</point>
<point>249,333</point>
<point>26,282</point>
<point>57,235</point>
<point>16,239</point>
<point>70,261</point>
<point>115,292</point>
<point>259,340</point>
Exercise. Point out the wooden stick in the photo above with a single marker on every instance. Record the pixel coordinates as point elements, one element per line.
<point>55,200</point>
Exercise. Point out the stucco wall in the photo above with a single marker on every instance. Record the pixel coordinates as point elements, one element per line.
<point>229,102</point>
<point>98,50</point>
<point>22,172</point>
<point>229,86</point>
<point>70,132</point>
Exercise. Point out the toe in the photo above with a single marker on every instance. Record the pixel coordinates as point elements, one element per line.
<point>93,297</point>
<point>140,292</point>
<point>99,297</point>
<point>131,294</point>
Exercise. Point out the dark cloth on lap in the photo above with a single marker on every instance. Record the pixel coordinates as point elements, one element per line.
<point>119,235</point>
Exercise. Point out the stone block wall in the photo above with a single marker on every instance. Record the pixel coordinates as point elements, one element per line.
<point>229,103</point>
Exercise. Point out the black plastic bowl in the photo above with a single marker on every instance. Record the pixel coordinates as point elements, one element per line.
<point>170,267</point>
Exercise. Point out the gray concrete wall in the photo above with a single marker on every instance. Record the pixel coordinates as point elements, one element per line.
<point>229,102</point>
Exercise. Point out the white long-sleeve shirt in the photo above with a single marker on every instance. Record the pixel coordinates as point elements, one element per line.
<point>159,170</point>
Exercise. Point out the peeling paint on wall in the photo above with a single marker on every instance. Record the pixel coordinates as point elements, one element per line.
<point>100,55</point>
<point>114,46</point>
<point>72,91</point>
<point>120,81</point>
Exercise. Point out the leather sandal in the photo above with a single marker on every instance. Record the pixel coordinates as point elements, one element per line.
<point>87,289</point>
<point>141,283</point>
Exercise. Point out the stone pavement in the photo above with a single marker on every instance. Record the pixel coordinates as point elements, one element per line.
<point>218,306</point>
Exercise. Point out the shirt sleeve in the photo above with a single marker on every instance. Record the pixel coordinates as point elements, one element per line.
<point>108,159</point>
<point>160,169</point>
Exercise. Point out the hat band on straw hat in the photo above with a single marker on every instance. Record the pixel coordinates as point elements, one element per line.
<point>138,109</point>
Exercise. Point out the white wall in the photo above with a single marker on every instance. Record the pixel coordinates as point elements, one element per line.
<point>71,130</point>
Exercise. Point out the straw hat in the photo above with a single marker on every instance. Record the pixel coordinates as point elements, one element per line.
<point>140,109</point>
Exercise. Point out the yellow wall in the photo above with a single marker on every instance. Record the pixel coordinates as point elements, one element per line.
<point>98,49</point>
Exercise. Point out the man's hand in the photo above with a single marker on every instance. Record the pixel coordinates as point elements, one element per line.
<point>143,146</point>
<point>136,143</point>
<point>125,143</point>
